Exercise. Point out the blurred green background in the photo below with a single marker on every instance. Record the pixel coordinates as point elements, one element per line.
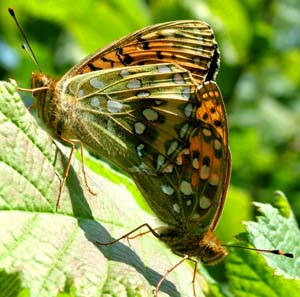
<point>259,76</point>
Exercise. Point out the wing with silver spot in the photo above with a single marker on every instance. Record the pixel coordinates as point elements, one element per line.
<point>189,44</point>
<point>190,192</point>
<point>138,117</point>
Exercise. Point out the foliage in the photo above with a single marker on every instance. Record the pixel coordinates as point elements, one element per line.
<point>55,253</point>
<point>259,43</point>
<point>259,79</point>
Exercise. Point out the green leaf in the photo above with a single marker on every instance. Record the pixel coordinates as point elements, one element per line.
<point>258,274</point>
<point>275,231</point>
<point>49,253</point>
<point>10,284</point>
<point>230,20</point>
<point>55,252</point>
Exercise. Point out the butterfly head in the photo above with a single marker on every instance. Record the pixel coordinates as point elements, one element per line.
<point>40,80</point>
<point>43,90</point>
<point>205,246</point>
<point>211,250</point>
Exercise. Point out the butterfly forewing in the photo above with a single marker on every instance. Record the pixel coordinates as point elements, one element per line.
<point>139,111</point>
<point>190,44</point>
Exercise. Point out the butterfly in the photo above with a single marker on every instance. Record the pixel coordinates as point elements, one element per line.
<point>147,104</point>
<point>189,44</point>
<point>188,191</point>
<point>170,134</point>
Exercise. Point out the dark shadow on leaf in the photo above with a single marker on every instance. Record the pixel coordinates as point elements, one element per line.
<point>119,252</point>
<point>94,231</point>
<point>80,206</point>
<point>12,281</point>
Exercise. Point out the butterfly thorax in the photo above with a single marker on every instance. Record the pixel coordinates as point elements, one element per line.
<point>205,246</point>
<point>54,110</point>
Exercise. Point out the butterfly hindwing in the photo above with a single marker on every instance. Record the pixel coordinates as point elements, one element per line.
<point>192,189</point>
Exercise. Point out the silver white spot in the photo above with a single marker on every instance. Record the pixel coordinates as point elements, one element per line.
<point>110,126</point>
<point>139,128</point>
<point>204,172</point>
<point>172,148</point>
<point>114,106</point>
<point>200,48</point>
<point>96,83</point>
<point>158,102</point>
<point>142,94</point>
<point>176,208</point>
<point>80,93</point>
<point>204,202</point>
<point>196,60</point>
<point>168,32</point>
<point>139,149</point>
<point>184,130</point>
<point>186,151</point>
<point>168,169</point>
<point>186,93</point>
<point>214,179</point>
<point>143,167</point>
<point>217,144</point>
<point>164,69</point>
<point>124,72</point>
<point>160,161</point>
<point>197,31</point>
<point>150,114</point>
<point>134,84</point>
<point>95,101</point>
<point>179,159</point>
<point>167,189</point>
<point>189,202</point>
<point>178,79</point>
<point>206,132</point>
<point>188,110</point>
<point>195,163</point>
<point>195,216</point>
<point>186,188</point>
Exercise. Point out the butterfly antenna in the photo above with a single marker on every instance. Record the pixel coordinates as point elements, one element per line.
<point>25,46</point>
<point>275,252</point>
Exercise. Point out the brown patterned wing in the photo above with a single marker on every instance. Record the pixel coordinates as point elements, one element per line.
<point>210,156</point>
<point>190,192</point>
<point>189,44</point>
<point>138,117</point>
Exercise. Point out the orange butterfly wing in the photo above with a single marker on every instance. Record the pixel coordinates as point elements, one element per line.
<point>190,44</point>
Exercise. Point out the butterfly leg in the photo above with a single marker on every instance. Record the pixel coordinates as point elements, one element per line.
<point>129,233</point>
<point>186,257</point>
<point>156,234</point>
<point>84,173</point>
<point>66,172</point>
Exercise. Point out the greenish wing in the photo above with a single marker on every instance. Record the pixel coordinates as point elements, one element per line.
<point>138,117</point>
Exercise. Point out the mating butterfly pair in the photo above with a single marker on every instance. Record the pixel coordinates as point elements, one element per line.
<point>147,104</point>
